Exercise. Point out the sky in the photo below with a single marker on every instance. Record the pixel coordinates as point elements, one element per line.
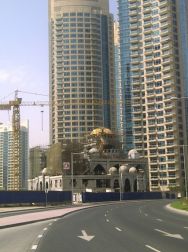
<point>24,62</point>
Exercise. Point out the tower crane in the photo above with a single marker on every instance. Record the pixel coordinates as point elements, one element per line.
<point>15,172</point>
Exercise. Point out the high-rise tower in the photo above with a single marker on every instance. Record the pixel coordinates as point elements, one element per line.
<point>7,175</point>
<point>151,74</point>
<point>81,68</point>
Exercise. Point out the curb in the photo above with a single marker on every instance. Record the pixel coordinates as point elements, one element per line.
<point>71,210</point>
<point>175,210</point>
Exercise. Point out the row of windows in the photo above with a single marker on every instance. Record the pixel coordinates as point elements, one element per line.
<point>80,14</point>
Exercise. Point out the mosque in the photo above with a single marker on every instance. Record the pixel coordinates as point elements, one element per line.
<point>107,168</point>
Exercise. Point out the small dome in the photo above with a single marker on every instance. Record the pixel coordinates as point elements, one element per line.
<point>133,154</point>
<point>123,169</point>
<point>93,150</point>
<point>100,131</point>
<point>113,170</point>
<point>132,170</point>
<point>44,171</point>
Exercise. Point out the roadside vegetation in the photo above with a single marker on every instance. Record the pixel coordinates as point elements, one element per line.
<point>180,204</point>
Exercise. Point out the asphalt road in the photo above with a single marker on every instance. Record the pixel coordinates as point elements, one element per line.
<point>128,227</point>
<point>21,238</point>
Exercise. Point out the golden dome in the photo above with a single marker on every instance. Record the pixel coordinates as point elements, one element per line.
<point>100,131</point>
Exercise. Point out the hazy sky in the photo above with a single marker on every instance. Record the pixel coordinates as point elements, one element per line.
<point>24,60</point>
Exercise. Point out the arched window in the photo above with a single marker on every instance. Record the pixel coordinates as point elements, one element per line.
<point>99,170</point>
<point>116,183</point>
<point>127,187</point>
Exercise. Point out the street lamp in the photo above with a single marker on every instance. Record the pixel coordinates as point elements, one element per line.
<point>122,170</point>
<point>44,172</point>
<point>185,172</point>
<point>184,154</point>
<point>72,172</point>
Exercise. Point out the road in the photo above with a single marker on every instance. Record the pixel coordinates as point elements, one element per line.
<point>121,227</point>
<point>21,238</point>
<point>128,227</point>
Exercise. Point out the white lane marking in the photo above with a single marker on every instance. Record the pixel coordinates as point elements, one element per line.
<point>85,236</point>
<point>40,236</point>
<point>146,214</point>
<point>159,220</point>
<point>107,220</point>
<point>34,247</point>
<point>118,229</point>
<point>140,210</point>
<point>50,224</point>
<point>45,229</point>
<point>156,250</point>
<point>186,227</point>
<point>177,236</point>
<point>105,215</point>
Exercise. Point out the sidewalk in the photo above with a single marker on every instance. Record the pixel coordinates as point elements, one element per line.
<point>27,218</point>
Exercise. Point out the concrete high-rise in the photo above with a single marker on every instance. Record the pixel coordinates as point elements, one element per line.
<point>6,157</point>
<point>151,74</point>
<point>82,92</point>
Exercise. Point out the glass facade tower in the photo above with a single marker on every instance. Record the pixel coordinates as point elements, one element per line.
<point>151,75</point>
<point>82,93</point>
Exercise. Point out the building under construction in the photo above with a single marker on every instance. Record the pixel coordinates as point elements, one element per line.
<point>9,180</point>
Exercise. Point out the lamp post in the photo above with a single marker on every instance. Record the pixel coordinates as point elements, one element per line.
<point>185,172</point>
<point>44,172</point>
<point>72,172</point>
<point>122,170</point>
<point>184,153</point>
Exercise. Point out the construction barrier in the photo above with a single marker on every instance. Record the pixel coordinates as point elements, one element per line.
<point>34,197</point>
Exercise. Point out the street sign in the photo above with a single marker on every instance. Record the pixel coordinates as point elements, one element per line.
<point>66,165</point>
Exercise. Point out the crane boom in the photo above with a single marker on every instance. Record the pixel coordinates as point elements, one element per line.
<point>15,172</point>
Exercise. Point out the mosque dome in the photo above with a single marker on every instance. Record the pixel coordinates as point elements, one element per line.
<point>101,131</point>
<point>113,170</point>
<point>123,169</point>
<point>133,154</point>
<point>132,170</point>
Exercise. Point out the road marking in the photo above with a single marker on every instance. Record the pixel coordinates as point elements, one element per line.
<point>107,220</point>
<point>146,214</point>
<point>159,220</point>
<point>45,229</point>
<point>152,248</point>
<point>118,229</point>
<point>140,210</point>
<point>40,236</point>
<point>34,247</point>
<point>85,236</point>
<point>186,227</point>
<point>105,215</point>
<point>50,224</point>
<point>177,236</point>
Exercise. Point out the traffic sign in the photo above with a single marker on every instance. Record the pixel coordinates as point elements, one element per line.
<point>66,165</point>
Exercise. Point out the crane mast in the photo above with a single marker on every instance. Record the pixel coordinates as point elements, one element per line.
<point>16,155</point>
<point>15,172</point>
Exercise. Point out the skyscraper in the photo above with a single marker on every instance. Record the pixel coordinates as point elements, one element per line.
<point>152,80</point>
<point>6,157</point>
<point>81,68</point>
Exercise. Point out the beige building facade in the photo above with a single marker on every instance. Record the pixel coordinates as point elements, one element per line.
<point>81,69</point>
